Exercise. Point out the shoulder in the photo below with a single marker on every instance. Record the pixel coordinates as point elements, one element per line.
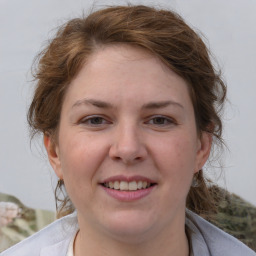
<point>51,241</point>
<point>212,240</point>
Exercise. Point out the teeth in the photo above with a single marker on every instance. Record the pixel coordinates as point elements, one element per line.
<point>111,184</point>
<point>133,185</point>
<point>124,185</point>
<point>116,185</point>
<point>128,186</point>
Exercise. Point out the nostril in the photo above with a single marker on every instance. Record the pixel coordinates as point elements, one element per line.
<point>117,158</point>
<point>129,152</point>
<point>127,160</point>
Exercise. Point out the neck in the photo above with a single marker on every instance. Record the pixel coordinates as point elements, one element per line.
<point>162,243</point>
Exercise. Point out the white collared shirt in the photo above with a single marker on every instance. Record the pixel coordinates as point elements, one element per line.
<point>56,240</point>
<point>71,246</point>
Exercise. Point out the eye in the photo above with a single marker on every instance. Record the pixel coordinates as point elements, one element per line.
<point>94,121</point>
<point>161,121</point>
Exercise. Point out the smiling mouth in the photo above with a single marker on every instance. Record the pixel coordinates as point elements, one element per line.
<point>128,186</point>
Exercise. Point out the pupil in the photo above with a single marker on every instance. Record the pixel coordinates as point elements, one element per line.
<point>96,120</point>
<point>159,120</point>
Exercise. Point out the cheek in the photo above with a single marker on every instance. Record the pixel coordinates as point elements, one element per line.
<point>80,159</point>
<point>79,163</point>
<point>176,153</point>
<point>176,159</point>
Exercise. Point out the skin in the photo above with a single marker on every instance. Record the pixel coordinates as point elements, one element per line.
<point>128,135</point>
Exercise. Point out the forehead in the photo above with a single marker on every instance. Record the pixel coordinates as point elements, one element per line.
<point>123,72</point>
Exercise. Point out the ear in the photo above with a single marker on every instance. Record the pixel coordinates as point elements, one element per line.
<point>53,155</point>
<point>204,149</point>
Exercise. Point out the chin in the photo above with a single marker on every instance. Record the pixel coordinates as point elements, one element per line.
<point>130,227</point>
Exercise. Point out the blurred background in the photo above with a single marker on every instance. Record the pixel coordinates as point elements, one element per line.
<point>228,28</point>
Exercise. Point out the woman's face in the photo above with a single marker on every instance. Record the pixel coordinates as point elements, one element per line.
<point>128,145</point>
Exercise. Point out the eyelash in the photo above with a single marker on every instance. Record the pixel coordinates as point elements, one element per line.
<point>87,120</point>
<point>166,121</point>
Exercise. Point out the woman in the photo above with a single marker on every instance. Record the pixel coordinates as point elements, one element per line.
<point>129,105</point>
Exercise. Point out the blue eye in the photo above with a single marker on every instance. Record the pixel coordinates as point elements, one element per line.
<point>161,121</point>
<point>94,121</point>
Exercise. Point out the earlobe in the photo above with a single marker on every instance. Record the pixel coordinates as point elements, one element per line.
<point>53,155</point>
<point>204,149</point>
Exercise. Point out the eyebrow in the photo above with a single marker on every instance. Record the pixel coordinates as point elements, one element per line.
<point>96,103</point>
<point>161,104</point>
<point>103,104</point>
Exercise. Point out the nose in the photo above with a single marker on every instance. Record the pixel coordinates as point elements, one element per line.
<point>128,146</point>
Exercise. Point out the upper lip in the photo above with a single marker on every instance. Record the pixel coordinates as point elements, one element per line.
<point>128,179</point>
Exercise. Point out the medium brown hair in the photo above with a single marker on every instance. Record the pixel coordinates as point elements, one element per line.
<point>161,32</point>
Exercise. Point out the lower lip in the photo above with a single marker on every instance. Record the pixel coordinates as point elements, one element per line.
<point>128,196</point>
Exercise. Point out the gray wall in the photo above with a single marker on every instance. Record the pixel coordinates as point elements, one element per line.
<point>229,27</point>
